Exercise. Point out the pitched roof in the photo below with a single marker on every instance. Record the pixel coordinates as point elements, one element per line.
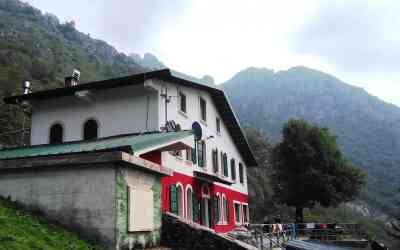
<point>220,99</point>
<point>132,142</point>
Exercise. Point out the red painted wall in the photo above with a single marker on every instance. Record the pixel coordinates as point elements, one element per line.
<point>196,184</point>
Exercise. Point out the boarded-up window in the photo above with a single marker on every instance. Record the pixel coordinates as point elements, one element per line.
<point>141,210</point>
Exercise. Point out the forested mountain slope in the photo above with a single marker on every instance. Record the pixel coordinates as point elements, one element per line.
<point>38,48</point>
<point>368,129</point>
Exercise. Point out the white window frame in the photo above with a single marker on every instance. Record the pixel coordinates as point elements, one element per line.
<point>204,121</point>
<point>224,201</point>
<point>218,128</point>
<point>189,212</point>
<point>240,212</point>
<point>247,213</point>
<point>184,113</point>
<point>182,200</point>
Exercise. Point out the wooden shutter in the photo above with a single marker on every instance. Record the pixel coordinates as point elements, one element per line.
<point>227,210</point>
<point>174,199</point>
<point>196,208</point>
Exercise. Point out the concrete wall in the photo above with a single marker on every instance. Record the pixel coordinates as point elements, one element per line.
<point>80,198</point>
<point>118,111</point>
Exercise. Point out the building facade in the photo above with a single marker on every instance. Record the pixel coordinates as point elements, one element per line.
<point>208,184</point>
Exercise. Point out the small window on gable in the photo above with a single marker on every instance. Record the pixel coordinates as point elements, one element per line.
<point>56,134</point>
<point>203,109</point>
<point>218,125</point>
<point>90,130</point>
<point>182,102</point>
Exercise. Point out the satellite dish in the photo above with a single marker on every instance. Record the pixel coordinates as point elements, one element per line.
<point>197,130</point>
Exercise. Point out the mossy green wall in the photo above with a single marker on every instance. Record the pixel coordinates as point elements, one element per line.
<point>134,240</point>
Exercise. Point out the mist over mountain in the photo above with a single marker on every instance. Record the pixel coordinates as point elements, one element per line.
<point>367,128</point>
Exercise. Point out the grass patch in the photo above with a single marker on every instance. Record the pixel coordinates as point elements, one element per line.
<point>22,230</point>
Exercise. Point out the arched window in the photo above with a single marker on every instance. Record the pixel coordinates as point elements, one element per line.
<point>179,199</point>
<point>56,134</point>
<point>90,129</point>
<point>225,209</point>
<point>189,203</point>
<point>217,208</point>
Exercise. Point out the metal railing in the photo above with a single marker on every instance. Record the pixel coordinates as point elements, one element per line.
<point>268,236</point>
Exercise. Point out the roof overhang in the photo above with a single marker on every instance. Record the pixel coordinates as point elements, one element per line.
<point>86,159</point>
<point>211,178</point>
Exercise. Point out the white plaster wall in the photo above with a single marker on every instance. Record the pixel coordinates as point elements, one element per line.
<point>222,141</point>
<point>117,110</point>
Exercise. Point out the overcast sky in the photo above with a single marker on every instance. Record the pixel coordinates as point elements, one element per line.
<point>357,41</point>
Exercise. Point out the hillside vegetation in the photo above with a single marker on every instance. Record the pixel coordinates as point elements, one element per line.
<point>38,48</point>
<point>367,128</point>
<point>21,230</point>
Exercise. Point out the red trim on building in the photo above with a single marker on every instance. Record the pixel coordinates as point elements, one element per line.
<point>153,156</point>
<point>196,185</point>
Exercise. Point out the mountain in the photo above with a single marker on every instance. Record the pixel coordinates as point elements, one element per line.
<point>367,128</point>
<point>37,47</point>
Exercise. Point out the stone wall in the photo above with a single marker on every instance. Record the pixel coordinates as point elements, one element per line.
<point>80,198</point>
<point>178,234</point>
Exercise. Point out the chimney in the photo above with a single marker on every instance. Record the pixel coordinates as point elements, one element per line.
<point>26,87</point>
<point>74,79</point>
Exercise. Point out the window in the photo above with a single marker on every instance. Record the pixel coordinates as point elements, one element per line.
<point>182,102</point>
<point>179,199</point>
<point>56,134</point>
<point>245,213</point>
<point>90,130</point>
<point>201,154</point>
<point>203,109</point>
<point>140,203</point>
<point>233,169</point>
<point>176,199</point>
<point>241,174</point>
<point>218,125</point>
<point>225,209</point>
<point>189,154</point>
<point>215,160</point>
<point>225,162</point>
<point>237,212</point>
<point>217,208</point>
<point>189,203</point>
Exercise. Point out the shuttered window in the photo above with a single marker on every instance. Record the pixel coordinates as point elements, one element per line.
<point>217,209</point>
<point>173,199</point>
<point>241,173</point>
<point>201,154</point>
<point>196,208</point>
<point>215,160</point>
<point>140,210</point>
<point>225,161</point>
<point>194,156</point>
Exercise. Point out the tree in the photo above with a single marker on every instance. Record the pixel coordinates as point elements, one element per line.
<point>309,168</point>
